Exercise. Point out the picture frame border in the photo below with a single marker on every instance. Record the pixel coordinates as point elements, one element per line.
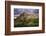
<point>8,16</point>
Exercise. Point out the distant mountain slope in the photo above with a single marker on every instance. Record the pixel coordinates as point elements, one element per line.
<point>28,15</point>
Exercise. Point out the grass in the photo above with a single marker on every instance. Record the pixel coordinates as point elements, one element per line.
<point>26,23</point>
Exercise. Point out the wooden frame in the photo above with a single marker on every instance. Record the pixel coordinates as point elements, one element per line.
<point>8,13</point>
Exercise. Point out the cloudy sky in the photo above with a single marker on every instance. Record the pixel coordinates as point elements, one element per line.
<point>18,11</point>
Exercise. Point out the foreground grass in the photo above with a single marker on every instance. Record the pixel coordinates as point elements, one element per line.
<point>26,23</point>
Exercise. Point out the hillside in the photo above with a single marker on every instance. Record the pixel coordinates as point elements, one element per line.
<point>26,20</point>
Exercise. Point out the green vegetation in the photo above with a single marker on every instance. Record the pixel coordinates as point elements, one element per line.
<point>24,21</point>
<point>27,23</point>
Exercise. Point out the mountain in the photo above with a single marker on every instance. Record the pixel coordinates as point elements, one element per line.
<point>26,19</point>
<point>27,15</point>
